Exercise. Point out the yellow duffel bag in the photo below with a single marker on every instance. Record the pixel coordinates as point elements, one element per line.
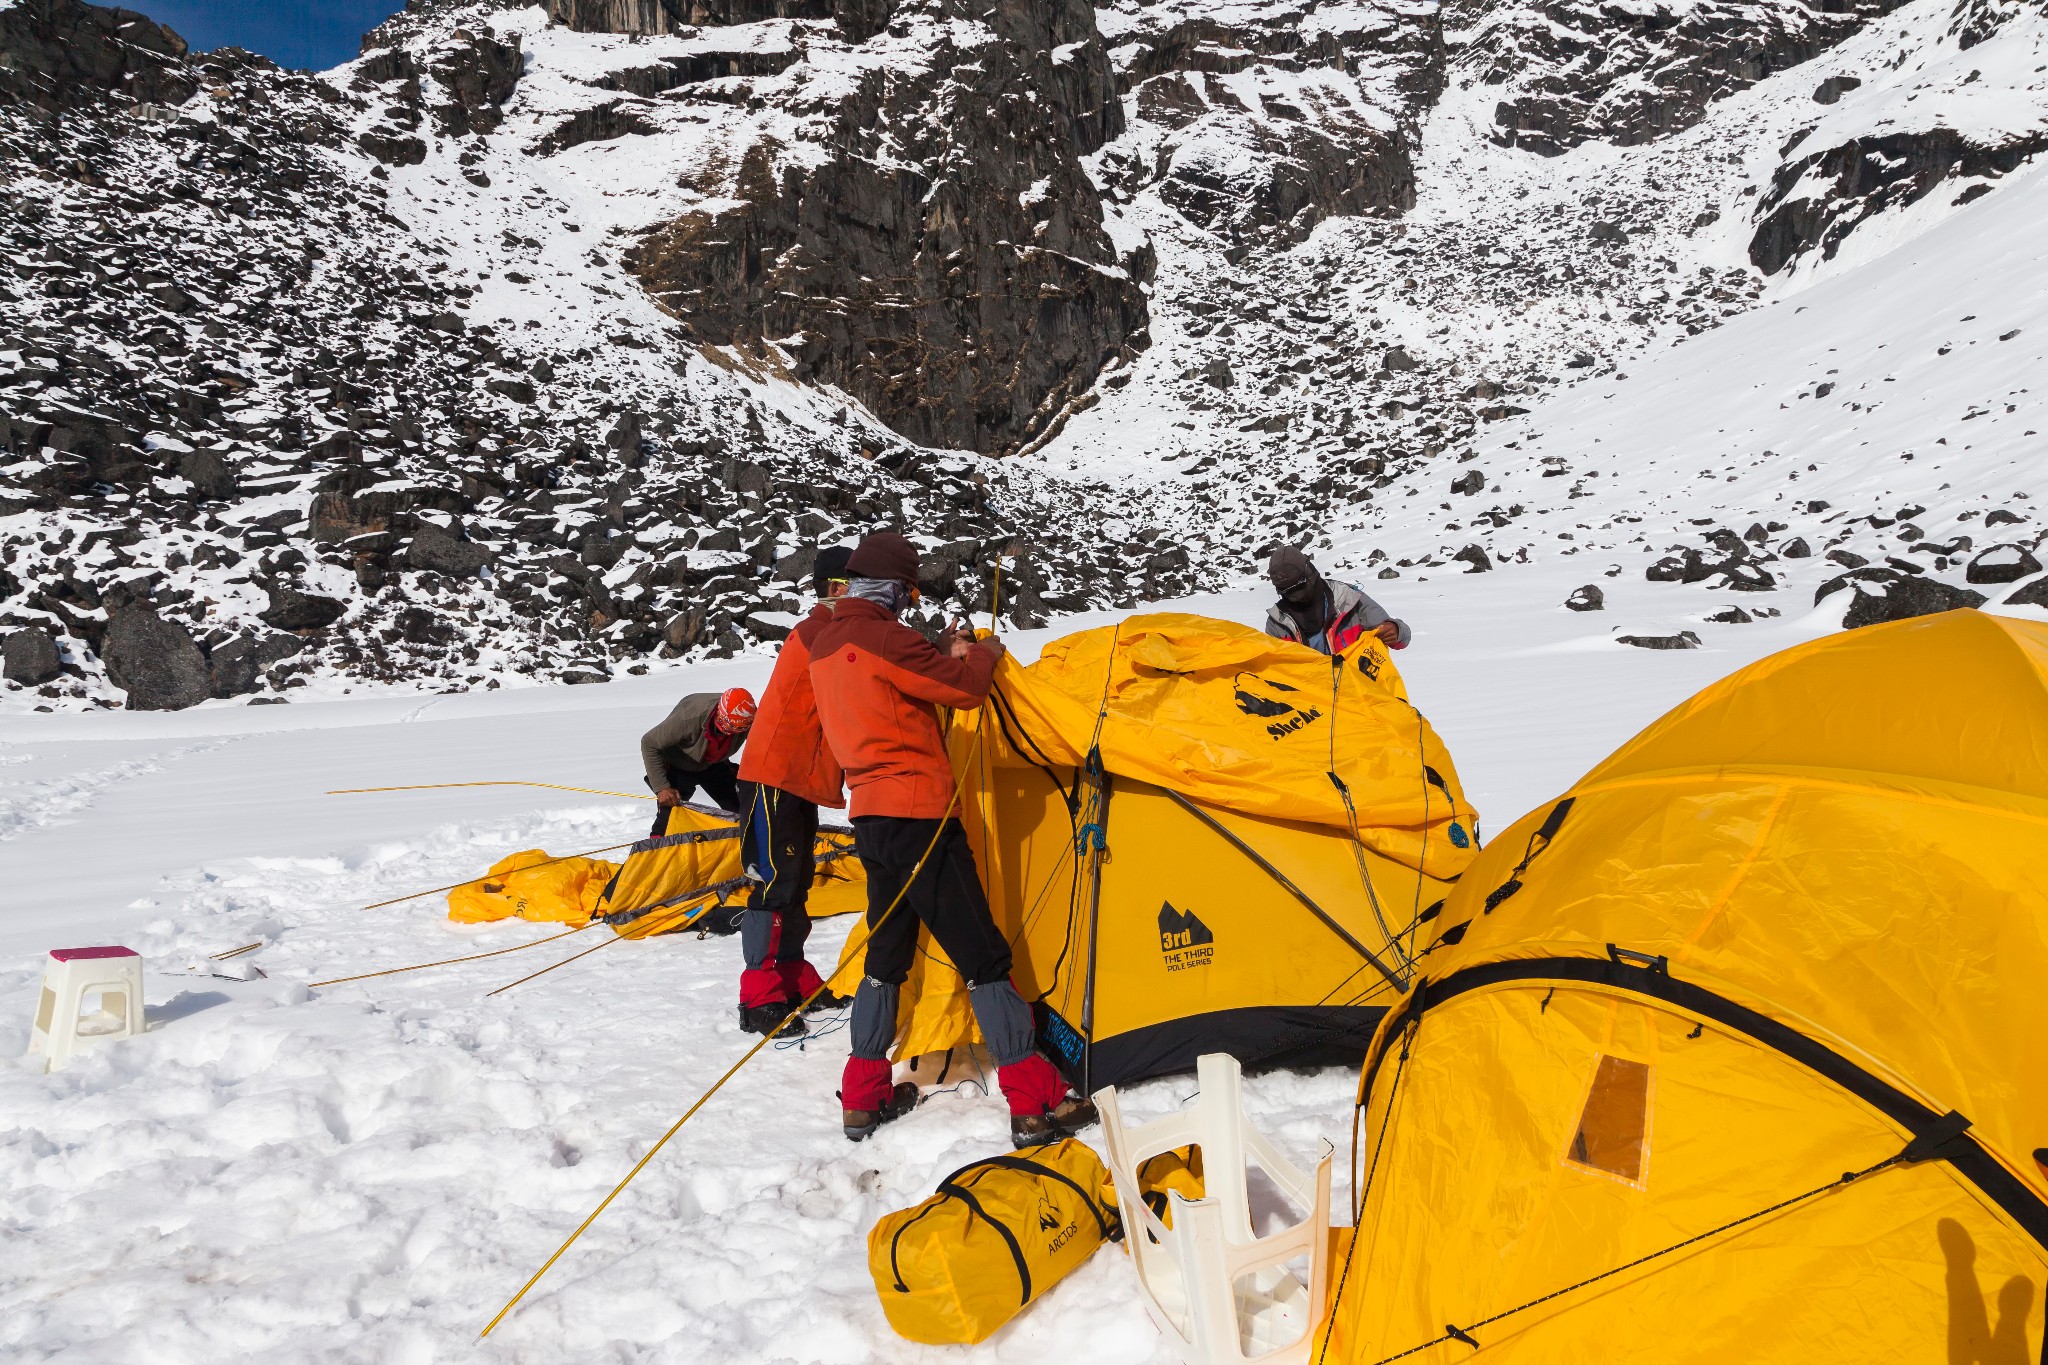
<point>998,1234</point>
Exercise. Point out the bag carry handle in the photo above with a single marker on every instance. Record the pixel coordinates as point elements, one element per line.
<point>951,1188</point>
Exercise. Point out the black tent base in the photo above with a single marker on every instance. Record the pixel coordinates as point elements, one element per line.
<point>1261,1038</point>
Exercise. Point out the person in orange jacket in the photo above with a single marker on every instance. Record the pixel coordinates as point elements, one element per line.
<point>878,685</point>
<point>787,773</point>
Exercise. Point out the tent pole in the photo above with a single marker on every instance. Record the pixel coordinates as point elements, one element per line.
<point>1095,853</point>
<point>1277,875</point>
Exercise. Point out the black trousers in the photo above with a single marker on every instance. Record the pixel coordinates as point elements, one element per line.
<point>946,897</point>
<point>780,848</point>
<point>720,782</point>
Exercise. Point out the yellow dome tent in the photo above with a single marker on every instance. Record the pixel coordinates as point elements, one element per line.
<point>1154,817</point>
<point>1733,1053</point>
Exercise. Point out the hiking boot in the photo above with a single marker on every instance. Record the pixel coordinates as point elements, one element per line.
<point>764,1018</point>
<point>1036,1130</point>
<point>858,1123</point>
<point>828,1001</point>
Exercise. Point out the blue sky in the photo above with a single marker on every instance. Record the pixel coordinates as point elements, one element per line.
<point>304,33</point>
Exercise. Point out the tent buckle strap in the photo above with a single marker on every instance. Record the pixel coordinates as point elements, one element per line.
<point>1629,957</point>
<point>1933,1142</point>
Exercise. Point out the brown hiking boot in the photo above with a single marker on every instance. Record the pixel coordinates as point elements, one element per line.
<point>1036,1130</point>
<point>858,1123</point>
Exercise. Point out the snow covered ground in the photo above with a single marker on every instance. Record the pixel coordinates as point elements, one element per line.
<point>365,1172</point>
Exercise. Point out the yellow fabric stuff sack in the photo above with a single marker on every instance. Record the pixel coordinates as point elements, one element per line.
<point>533,886</point>
<point>999,1233</point>
<point>1178,1171</point>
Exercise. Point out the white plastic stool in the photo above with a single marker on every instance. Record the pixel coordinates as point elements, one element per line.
<point>1221,1295</point>
<point>72,974</point>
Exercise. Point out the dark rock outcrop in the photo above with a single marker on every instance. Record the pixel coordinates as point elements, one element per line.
<point>1865,176</point>
<point>946,262</point>
<point>1266,167</point>
<point>60,54</point>
<point>1586,598</point>
<point>1574,71</point>
<point>1883,594</point>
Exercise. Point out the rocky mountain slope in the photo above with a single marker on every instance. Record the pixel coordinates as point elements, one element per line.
<point>551,341</point>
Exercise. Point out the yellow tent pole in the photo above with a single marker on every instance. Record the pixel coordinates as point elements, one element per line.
<point>733,1070</point>
<point>449,962</point>
<point>444,786</point>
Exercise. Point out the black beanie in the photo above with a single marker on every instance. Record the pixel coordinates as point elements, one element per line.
<point>1293,574</point>
<point>831,566</point>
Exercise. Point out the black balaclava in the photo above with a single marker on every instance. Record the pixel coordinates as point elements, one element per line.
<point>1303,594</point>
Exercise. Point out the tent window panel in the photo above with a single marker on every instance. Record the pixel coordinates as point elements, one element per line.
<point>1613,1132</point>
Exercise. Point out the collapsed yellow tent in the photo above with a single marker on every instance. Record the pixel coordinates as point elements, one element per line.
<point>533,886</point>
<point>666,882</point>
<point>1733,1053</point>
<point>1154,817</point>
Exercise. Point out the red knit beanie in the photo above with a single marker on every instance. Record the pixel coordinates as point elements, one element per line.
<point>884,555</point>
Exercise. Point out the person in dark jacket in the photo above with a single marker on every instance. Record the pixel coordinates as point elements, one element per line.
<point>692,750</point>
<point>879,685</point>
<point>1327,617</point>
<point>787,773</point>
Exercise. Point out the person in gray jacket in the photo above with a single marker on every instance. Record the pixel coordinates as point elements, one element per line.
<point>693,748</point>
<point>1327,617</point>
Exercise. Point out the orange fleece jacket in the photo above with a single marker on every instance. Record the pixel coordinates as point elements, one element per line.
<point>786,748</point>
<point>879,685</point>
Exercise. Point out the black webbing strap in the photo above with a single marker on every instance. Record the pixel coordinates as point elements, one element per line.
<point>951,1188</point>
<point>1538,841</point>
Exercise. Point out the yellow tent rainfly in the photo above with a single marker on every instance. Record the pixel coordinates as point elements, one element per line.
<point>1734,1052</point>
<point>1198,838</point>
<point>664,882</point>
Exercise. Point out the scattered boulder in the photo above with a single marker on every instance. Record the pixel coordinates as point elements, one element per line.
<point>1217,373</point>
<point>1796,548</point>
<point>1734,616</point>
<point>1469,483</point>
<point>237,666</point>
<point>1475,556</point>
<point>2002,564</point>
<point>1397,359</point>
<point>210,475</point>
<point>1608,232</point>
<point>291,609</point>
<point>438,550</point>
<point>1746,578</point>
<point>31,656</point>
<point>1586,598</point>
<point>1833,88</point>
<point>1685,639</point>
<point>154,661</point>
<point>518,390</point>
<point>2000,516</point>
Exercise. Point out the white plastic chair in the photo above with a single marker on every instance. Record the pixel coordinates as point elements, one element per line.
<point>72,974</point>
<point>1221,1295</point>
